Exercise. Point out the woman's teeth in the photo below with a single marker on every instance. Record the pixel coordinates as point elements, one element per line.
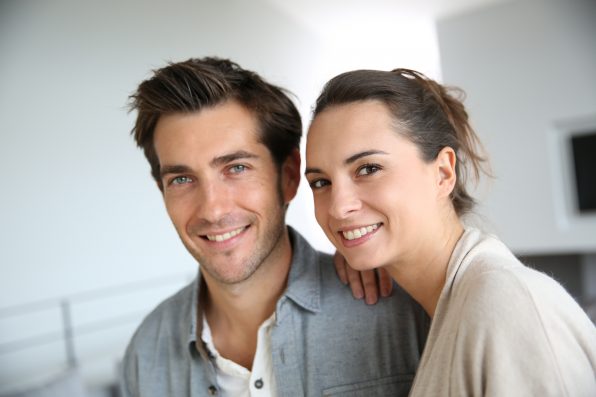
<point>357,233</point>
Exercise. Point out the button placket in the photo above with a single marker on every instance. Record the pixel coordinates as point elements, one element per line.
<point>259,383</point>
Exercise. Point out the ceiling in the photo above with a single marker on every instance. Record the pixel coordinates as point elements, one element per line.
<point>318,15</point>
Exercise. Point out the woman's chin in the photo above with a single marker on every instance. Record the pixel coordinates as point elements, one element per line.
<point>361,265</point>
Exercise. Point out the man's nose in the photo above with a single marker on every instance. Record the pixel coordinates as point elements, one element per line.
<point>214,202</point>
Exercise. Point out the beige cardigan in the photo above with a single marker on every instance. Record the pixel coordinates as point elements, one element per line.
<point>503,329</point>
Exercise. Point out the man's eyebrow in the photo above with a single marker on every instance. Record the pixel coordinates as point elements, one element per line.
<point>220,160</point>
<point>173,169</point>
<point>227,158</point>
<point>359,155</point>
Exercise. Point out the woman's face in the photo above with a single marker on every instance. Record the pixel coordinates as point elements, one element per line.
<point>375,198</point>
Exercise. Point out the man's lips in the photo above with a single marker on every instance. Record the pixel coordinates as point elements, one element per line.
<point>224,236</point>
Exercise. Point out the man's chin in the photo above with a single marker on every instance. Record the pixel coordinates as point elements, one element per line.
<point>227,278</point>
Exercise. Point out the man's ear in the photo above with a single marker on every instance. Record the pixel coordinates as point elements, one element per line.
<point>290,175</point>
<point>446,175</point>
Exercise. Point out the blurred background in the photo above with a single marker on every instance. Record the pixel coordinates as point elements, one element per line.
<point>86,247</point>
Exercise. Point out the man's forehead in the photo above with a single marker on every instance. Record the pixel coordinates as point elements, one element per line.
<point>213,156</point>
<point>213,119</point>
<point>215,131</point>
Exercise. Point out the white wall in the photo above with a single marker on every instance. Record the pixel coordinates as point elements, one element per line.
<point>529,68</point>
<point>78,209</point>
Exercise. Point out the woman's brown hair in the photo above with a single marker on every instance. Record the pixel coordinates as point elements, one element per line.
<point>429,114</point>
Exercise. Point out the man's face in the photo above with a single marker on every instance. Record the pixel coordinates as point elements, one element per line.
<point>222,189</point>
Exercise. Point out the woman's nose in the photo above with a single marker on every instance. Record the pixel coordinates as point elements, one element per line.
<point>344,202</point>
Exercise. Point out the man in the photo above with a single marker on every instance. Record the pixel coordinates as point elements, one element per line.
<point>267,314</point>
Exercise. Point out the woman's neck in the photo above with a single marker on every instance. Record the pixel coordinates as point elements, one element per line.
<point>423,273</point>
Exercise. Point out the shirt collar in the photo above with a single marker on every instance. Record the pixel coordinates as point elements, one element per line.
<point>304,280</point>
<point>304,287</point>
<point>196,312</point>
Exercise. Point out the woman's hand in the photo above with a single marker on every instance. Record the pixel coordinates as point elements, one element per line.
<point>368,284</point>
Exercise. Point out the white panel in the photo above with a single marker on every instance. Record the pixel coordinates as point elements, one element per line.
<point>529,68</point>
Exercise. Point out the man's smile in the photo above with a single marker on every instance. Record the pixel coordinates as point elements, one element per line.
<point>225,236</point>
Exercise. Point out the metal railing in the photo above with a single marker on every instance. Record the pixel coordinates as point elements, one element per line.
<point>69,329</point>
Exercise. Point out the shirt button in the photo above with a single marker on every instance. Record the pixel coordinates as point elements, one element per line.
<point>259,383</point>
<point>212,390</point>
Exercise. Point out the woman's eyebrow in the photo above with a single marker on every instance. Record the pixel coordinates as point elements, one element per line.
<point>359,155</point>
<point>312,170</point>
<point>348,161</point>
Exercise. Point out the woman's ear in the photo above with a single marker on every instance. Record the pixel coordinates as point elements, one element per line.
<point>446,175</point>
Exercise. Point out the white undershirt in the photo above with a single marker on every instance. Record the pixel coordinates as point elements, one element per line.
<point>236,381</point>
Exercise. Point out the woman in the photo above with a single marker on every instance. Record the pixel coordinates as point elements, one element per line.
<point>387,157</point>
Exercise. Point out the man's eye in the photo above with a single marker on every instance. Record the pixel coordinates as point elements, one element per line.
<point>180,180</point>
<point>367,169</point>
<point>319,183</point>
<point>238,168</point>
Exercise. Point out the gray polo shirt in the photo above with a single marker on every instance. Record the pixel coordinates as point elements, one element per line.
<point>323,341</point>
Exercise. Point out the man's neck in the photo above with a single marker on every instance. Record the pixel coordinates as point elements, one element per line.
<point>235,312</point>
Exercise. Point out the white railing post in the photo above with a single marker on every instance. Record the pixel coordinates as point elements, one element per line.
<point>68,334</point>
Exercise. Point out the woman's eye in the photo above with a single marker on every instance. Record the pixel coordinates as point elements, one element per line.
<point>319,183</point>
<point>238,168</point>
<point>180,180</point>
<point>368,169</point>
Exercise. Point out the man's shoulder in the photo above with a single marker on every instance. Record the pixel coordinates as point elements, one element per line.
<point>314,285</point>
<point>158,353</point>
<point>399,308</point>
<point>331,327</point>
<point>166,318</point>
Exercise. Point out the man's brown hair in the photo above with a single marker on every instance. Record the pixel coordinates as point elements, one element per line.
<point>199,83</point>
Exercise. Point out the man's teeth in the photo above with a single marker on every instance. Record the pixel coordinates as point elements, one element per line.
<point>225,236</point>
<point>357,233</point>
